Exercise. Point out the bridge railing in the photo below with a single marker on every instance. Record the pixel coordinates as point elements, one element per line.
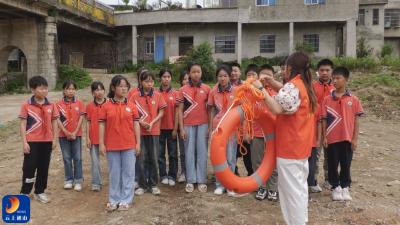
<point>92,8</point>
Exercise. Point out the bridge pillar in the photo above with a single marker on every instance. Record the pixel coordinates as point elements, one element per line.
<point>47,50</point>
<point>134,45</point>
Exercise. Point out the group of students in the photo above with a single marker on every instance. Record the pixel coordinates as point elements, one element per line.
<point>134,128</point>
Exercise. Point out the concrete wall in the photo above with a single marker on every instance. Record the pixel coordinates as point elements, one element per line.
<point>374,34</point>
<point>297,11</point>
<point>395,43</point>
<point>22,34</point>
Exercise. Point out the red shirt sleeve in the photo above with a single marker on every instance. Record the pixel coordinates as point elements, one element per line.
<point>82,109</point>
<point>324,112</point>
<point>56,114</point>
<point>135,113</point>
<point>211,101</point>
<point>358,107</point>
<point>88,112</point>
<point>179,98</point>
<point>23,114</point>
<point>103,113</point>
<point>162,104</point>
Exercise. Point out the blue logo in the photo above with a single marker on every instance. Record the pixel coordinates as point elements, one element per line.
<point>16,209</point>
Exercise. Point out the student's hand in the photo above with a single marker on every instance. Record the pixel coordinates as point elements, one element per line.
<point>144,124</point>
<point>26,148</point>
<point>150,126</point>
<point>257,84</point>
<point>353,145</point>
<point>137,150</point>
<point>102,149</point>
<point>54,145</point>
<point>209,133</point>
<point>265,77</point>
<point>318,144</point>
<point>247,138</point>
<point>183,134</point>
<point>88,144</point>
<point>325,143</point>
<point>174,134</point>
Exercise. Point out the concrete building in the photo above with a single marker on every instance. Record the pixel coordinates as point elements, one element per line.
<point>240,29</point>
<point>392,26</point>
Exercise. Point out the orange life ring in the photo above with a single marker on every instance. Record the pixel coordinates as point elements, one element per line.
<point>229,124</point>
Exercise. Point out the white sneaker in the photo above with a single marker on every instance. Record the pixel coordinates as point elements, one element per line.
<point>189,188</point>
<point>337,194</point>
<point>219,191</point>
<point>78,187</point>
<point>171,182</point>
<point>42,198</point>
<point>139,191</point>
<point>346,194</point>
<point>236,195</point>
<point>315,189</point>
<point>164,181</point>
<point>67,185</point>
<point>155,191</point>
<point>182,178</point>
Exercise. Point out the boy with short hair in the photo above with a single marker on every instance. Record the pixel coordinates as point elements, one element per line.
<point>38,129</point>
<point>340,112</point>
<point>322,88</point>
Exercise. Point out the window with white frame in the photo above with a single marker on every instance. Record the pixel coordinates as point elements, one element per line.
<point>314,2</point>
<point>149,46</point>
<point>267,43</point>
<point>312,40</point>
<point>265,2</point>
<point>225,44</point>
<point>361,17</point>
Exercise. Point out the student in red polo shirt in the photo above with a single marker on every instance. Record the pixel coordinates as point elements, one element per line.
<point>193,115</point>
<point>268,190</point>
<point>168,133</point>
<point>150,105</point>
<point>137,89</point>
<point>294,105</point>
<point>219,100</point>
<point>38,129</point>
<point>340,111</point>
<point>322,88</point>
<point>183,80</point>
<point>235,75</point>
<point>72,113</point>
<point>119,139</point>
<point>92,131</point>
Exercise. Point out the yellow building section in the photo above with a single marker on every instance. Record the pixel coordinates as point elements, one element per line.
<point>92,8</point>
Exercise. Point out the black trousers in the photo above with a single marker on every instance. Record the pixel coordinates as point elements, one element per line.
<point>312,167</point>
<point>147,161</point>
<point>36,162</point>
<point>246,159</point>
<point>166,138</point>
<point>339,153</point>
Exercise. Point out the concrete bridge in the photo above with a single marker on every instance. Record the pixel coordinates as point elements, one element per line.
<point>43,33</point>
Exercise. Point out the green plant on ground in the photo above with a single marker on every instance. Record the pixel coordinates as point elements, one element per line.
<point>387,50</point>
<point>363,49</point>
<point>202,54</point>
<point>71,72</point>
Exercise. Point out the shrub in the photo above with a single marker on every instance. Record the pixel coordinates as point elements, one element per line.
<point>71,72</point>
<point>363,49</point>
<point>387,50</point>
<point>202,54</point>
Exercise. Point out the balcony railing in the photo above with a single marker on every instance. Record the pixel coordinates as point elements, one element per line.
<point>92,8</point>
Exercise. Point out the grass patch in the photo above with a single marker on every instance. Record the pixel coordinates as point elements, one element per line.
<point>388,80</point>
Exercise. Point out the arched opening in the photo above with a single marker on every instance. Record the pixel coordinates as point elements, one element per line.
<point>13,70</point>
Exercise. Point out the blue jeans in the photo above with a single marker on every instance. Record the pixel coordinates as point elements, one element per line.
<point>231,148</point>
<point>96,170</point>
<point>196,145</point>
<point>181,144</point>
<point>72,157</point>
<point>166,138</point>
<point>121,169</point>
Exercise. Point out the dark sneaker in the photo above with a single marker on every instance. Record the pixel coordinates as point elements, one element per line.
<point>261,194</point>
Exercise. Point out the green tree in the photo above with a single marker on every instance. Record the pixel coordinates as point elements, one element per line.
<point>202,54</point>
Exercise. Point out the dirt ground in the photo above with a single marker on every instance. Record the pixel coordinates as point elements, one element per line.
<point>375,165</point>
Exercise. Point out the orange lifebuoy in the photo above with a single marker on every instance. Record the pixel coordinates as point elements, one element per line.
<point>229,124</point>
